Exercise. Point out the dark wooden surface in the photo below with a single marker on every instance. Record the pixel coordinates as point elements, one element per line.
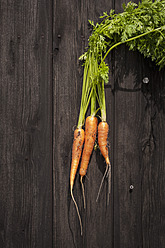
<point>40,90</point>
<point>26,124</point>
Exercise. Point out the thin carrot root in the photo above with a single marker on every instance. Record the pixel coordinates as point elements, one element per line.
<point>78,213</point>
<point>83,191</point>
<point>109,184</point>
<point>101,184</point>
<point>87,177</point>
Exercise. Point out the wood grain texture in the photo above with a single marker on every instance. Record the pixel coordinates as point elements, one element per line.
<point>25,113</point>
<point>152,158</point>
<point>127,171</point>
<point>70,38</point>
<point>40,91</point>
<point>138,148</point>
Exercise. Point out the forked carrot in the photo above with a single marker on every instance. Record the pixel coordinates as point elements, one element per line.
<point>76,154</point>
<point>90,137</point>
<point>103,129</point>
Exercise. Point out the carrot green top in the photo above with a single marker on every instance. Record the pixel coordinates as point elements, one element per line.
<point>140,26</point>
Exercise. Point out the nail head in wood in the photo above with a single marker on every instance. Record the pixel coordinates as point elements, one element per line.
<point>145,80</point>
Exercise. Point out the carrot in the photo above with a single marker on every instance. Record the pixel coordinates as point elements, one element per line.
<point>76,154</point>
<point>103,129</point>
<point>90,137</point>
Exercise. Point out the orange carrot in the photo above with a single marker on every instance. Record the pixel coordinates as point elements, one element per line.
<point>76,154</point>
<point>90,137</point>
<point>103,129</point>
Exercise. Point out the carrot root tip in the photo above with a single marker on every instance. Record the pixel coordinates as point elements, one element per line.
<point>101,184</point>
<point>71,191</point>
<point>109,185</point>
<point>83,191</point>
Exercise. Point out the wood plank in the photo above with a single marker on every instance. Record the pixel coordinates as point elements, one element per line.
<point>152,158</point>
<point>70,38</point>
<point>135,111</point>
<point>25,127</point>
<point>127,170</point>
<point>138,147</point>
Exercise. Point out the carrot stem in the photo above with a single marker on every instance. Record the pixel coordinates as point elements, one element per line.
<point>93,102</point>
<point>102,103</point>
<point>87,89</point>
<point>130,39</point>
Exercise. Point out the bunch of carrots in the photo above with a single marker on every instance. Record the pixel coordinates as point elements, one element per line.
<point>132,28</point>
<point>84,140</point>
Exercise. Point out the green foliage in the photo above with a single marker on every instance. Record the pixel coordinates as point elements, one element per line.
<point>103,72</point>
<point>136,19</point>
<point>140,26</point>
